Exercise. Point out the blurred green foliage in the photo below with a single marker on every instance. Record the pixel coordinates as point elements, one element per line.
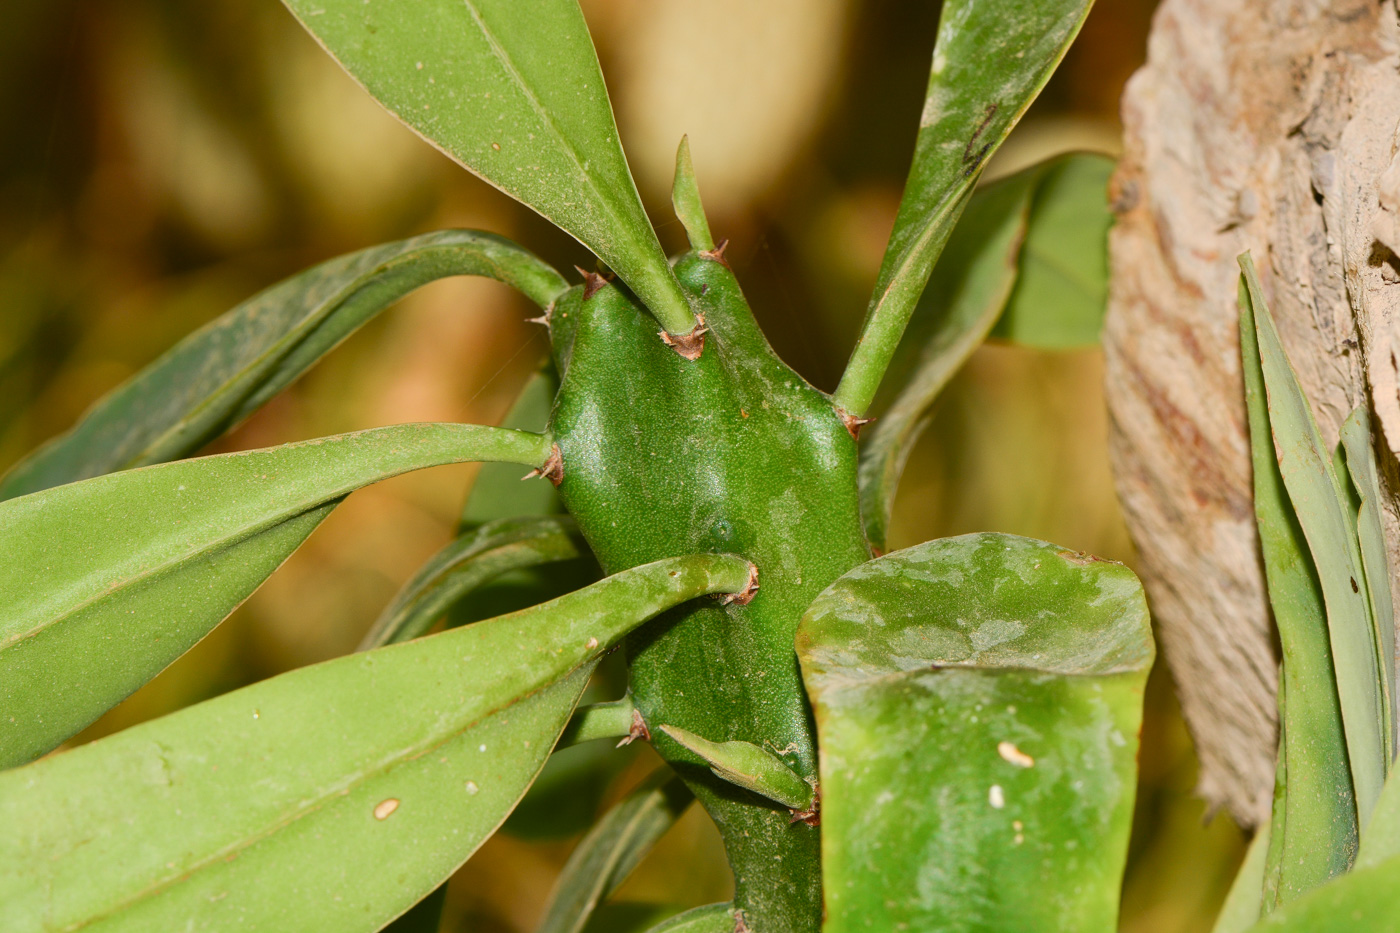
<point>163,160</point>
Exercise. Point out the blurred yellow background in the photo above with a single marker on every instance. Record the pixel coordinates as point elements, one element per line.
<point>162,160</point>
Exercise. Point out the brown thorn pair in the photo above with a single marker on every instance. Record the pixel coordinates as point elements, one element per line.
<point>853,423</point>
<point>746,595</point>
<point>552,469</point>
<point>592,282</point>
<point>717,254</point>
<point>637,731</point>
<point>690,345</point>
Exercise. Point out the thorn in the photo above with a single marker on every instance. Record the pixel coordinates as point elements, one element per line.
<point>690,345</point>
<point>639,730</point>
<point>552,469</point>
<point>543,318</point>
<point>592,281</point>
<point>744,597</point>
<point>852,423</point>
<point>812,816</point>
<point>717,254</point>
<point>740,926</point>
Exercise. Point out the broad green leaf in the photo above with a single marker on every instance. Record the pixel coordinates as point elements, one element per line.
<point>225,371</point>
<point>1361,466</point>
<point>424,916</point>
<point>1061,289</point>
<point>1315,821</point>
<point>712,918</point>
<point>990,60</point>
<point>977,701</point>
<point>1004,263</point>
<point>750,767</point>
<point>107,581</point>
<point>1364,900</point>
<point>498,491</point>
<point>513,92</point>
<point>1318,502</point>
<point>612,849</point>
<point>330,798</point>
<point>465,564</point>
<point>1241,907</point>
<point>685,199</point>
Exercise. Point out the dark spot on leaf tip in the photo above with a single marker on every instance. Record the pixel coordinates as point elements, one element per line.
<point>552,469</point>
<point>717,254</point>
<point>688,346</point>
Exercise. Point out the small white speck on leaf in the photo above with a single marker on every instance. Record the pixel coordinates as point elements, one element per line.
<point>385,807</point>
<point>996,797</point>
<point>472,788</point>
<point>420,66</point>
<point>257,715</point>
<point>481,748</point>
<point>1014,755</point>
<point>592,643</point>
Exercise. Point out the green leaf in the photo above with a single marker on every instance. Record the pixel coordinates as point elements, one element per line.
<point>513,92</point>
<point>279,806</point>
<point>1315,821</point>
<point>1364,900</point>
<point>990,61</point>
<point>1241,907</point>
<point>750,767</point>
<point>978,701</point>
<point>1319,503</point>
<point>225,371</point>
<point>1062,271</point>
<point>424,916</point>
<point>712,918</point>
<point>498,491</point>
<point>611,720</point>
<point>107,581</point>
<point>1361,465</point>
<point>685,198</point>
<point>465,564</point>
<point>612,849</point>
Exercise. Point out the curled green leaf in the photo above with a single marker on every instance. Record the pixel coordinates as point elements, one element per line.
<point>749,767</point>
<point>228,369</point>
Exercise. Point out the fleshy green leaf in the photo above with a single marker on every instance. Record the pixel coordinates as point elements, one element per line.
<point>329,798</point>
<point>750,767</point>
<point>1061,289</point>
<point>513,92</point>
<point>712,918</point>
<point>685,198</point>
<point>612,849</point>
<point>465,564</point>
<point>1017,254</point>
<point>1241,907</point>
<point>225,371</point>
<point>107,581</point>
<point>611,720</point>
<point>990,61</point>
<point>497,491</point>
<point>1319,504</point>
<point>1315,822</point>
<point>978,701</point>
<point>1364,900</point>
<point>1361,466</point>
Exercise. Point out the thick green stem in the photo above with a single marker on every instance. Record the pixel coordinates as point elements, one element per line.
<point>599,721</point>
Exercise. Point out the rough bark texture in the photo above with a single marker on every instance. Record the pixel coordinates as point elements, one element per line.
<point>1267,125</point>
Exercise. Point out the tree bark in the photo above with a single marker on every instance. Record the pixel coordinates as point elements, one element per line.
<point>1270,126</point>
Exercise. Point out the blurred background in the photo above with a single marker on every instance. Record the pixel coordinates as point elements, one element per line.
<point>162,160</point>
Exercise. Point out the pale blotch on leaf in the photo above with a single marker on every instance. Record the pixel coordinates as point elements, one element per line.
<point>1014,755</point>
<point>385,807</point>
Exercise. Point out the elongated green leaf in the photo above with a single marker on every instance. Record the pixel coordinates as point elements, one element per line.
<point>513,92</point>
<point>1315,821</point>
<point>1318,502</point>
<point>749,767</point>
<point>465,564</point>
<point>279,806</point>
<point>107,581</point>
<point>612,849</point>
<point>712,918</point>
<point>1361,465</point>
<point>225,371</point>
<point>990,61</point>
<point>978,701</point>
<point>1062,271</point>
<point>1241,907</point>
<point>611,720</point>
<point>1030,257</point>
<point>685,198</point>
